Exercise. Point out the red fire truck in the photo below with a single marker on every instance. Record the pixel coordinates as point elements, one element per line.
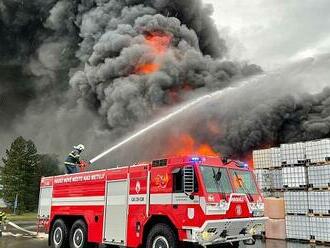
<point>196,200</point>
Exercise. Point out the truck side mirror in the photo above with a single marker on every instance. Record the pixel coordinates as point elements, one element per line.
<point>188,180</point>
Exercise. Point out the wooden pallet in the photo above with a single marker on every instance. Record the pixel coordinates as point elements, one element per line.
<point>299,163</point>
<point>320,163</point>
<point>300,188</point>
<point>301,241</point>
<point>277,190</point>
<point>312,188</point>
<point>319,242</point>
<point>297,214</point>
<point>312,241</point>
<point>312,214</point>
<point>274,168</point>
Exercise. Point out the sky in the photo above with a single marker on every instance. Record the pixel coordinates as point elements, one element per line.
<point>273,32</point>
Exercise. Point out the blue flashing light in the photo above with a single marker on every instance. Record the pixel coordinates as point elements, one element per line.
<point>242,165</point>
<point>196,159</point>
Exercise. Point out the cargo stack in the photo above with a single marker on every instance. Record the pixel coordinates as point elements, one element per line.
<point>318,160</point>
<point>267,164</point>
<point>305,177</point>
<point>294,172</point>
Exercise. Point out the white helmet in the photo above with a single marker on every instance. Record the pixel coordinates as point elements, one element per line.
<point>79,147</point>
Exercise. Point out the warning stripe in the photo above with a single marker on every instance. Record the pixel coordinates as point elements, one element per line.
<point>79,201</point>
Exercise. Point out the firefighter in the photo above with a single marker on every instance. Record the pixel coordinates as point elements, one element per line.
<point>3,218</point>
<point>72,162</point>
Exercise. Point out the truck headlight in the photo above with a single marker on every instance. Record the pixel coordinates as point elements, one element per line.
<point>252,231</point>
<point>207,235</point>
<point>256,229</point>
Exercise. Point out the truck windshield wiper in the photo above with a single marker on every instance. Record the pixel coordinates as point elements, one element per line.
<point>243,186</point>
<point>217,178</point>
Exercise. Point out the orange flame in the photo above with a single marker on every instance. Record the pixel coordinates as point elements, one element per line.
<point>247,158</point>
<point>158,43</point>
<point>147,68</point>
<point>185,145</point>
<point>174,92</point>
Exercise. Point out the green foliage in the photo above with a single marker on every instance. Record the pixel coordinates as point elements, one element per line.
<point>49,165</point>
<point>21,173</point>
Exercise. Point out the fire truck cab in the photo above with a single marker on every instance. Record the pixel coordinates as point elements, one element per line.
<point>196,199</point>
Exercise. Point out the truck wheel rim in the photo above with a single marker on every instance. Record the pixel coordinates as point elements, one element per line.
<point>160,242</point>
<point>58,236</point>
<point>78,238</point>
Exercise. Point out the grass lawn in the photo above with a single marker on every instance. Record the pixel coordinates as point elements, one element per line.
<point>23,217</point>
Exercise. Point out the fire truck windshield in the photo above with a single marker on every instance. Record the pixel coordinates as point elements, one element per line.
<point>243,182</point>
<point>216,179</point>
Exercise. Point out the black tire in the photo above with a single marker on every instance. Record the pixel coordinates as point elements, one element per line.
<point>162,236</point>
<point>59,237</point>
<point>78,235</point>
<point>235,244</point>
<point>231,245</point>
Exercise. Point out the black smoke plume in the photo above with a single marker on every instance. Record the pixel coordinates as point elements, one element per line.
<point>96,46</point>
<point>69,72</point>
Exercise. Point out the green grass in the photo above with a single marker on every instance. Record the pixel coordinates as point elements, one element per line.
<point>23,217</point>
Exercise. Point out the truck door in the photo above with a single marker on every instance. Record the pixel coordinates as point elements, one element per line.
<point>45,202</point>
<point>115,224</point>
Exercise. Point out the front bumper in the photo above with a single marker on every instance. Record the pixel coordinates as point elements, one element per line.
<point>225,231</point>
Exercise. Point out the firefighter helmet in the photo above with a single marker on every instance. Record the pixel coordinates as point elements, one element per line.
<point>79,147</point>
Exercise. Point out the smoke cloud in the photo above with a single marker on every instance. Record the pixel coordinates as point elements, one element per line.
<point>288,105</point>
<point>69,63</point>
<point>93,71</point>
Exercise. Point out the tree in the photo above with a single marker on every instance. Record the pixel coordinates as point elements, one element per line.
<point>21,173</point>
<point>49,165</point>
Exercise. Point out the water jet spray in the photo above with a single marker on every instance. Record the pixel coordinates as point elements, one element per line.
<point>166,118</point>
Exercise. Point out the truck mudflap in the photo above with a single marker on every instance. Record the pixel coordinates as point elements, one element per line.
<point>225,231</point>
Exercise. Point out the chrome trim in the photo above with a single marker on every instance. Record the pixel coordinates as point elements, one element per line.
<point>233,226</point>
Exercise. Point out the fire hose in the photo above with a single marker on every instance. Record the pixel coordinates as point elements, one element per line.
<point>27,232</point>
<point>21,229</point>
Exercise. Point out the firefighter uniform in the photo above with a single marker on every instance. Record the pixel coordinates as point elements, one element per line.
<point>3,219</point>
<point>72,162</point>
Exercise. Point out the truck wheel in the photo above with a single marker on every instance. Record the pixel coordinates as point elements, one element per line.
<point>162,236</point>
<point>78,235</point>
<point>59,235</point>
<point>235,244</point>
<point>231,245</point>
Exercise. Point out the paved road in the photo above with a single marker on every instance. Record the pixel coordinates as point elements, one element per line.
<point>13,242</point>
<point>20,242</point>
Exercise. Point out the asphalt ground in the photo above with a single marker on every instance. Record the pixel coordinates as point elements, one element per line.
<point>14,239</point>
<point>28,242</point>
